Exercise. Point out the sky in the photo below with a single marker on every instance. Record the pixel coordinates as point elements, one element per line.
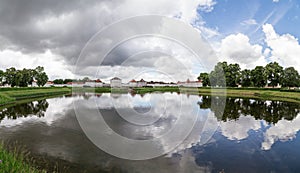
<point>73,39</point>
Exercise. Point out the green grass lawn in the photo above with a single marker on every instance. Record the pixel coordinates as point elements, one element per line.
<point>259,93</point>
<point>12,95</point>
<point>15,162</point>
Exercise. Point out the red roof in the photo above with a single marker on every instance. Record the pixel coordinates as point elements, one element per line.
<point>98,81</point>
<point>133,81</point>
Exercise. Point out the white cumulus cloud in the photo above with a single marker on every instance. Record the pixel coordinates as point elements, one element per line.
<point>284,130</point>
<point>236,48</point>
<point>285,49</point>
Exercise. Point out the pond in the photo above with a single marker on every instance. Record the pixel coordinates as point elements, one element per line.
<point>204,134</point>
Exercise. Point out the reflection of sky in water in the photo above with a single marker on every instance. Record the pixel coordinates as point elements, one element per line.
<point>211,145</point>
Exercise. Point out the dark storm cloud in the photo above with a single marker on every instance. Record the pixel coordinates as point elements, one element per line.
<point>130,54</point>
<point>59,25</point>
<point>66,27</point>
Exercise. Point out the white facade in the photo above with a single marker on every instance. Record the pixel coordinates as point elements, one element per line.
<point>75,84</point>
<point>141,83</point>
<point>192,84</point>
<point>161,85</point>
<point>93,84</point>
<point>34,84</point>
<point>116,82</point>
<point>132,83</point>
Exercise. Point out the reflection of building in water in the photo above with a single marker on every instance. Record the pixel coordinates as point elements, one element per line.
<point>115,95</point>
<point>116,82</point>
<point>132,93</point>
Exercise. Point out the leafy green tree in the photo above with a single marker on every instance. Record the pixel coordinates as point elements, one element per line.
<point>11,77</point>
<point>258,76</point>
<point>42,79</point>
<point>204,77</point>
<point>67,81</point>
<point>232,75</point>
<point>41,76</point>
<point>273,72</point>
<point>25,77</point>
<point>1,77</point>
<point>290,77</point>
<point>246,78</point>
<point>58,81</point>
<point>217,76</point>
<point>85,79</point>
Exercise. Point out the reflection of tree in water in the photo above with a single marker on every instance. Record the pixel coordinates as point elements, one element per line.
<point>37,108</point>
<point>270,111</point>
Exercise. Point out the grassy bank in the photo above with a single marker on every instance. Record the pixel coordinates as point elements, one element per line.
<point>266,94</point>
<point>256,93</point>
<point>15,162</point>
<point>12,95</point>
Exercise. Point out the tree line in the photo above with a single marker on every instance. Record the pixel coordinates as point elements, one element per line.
<point>231,75</point>
<point>24,77</point>
<point>66,81</point>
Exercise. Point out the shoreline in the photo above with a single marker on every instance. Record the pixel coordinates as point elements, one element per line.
<point>11,96</point>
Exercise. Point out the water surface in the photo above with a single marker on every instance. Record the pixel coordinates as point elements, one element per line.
<point>229,134</point>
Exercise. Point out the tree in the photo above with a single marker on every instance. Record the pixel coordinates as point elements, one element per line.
<point>42,79</point>
<point>290,77</point>
<point>204,77</point>
<point>85,79</point>
<point>10,77</point>
<point>1,77</point>
<point>25,77</point>
<point>217,76</point>
<point>58,81</point>
<point>41,76</point>
<point>258,76</point>
<point>273,72</point>
<point>67,81</point>
<point>246,78</point>
<point>232,75</point>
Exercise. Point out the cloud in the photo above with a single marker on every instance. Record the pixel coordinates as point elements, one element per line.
<point>236,48</point>
<point>54,65</point>
<point>249,22</point>
<point>238,129</point>
<point>63,27</point>
<point>275,0</point>
<point>285,48</point>
<point>284,130</point>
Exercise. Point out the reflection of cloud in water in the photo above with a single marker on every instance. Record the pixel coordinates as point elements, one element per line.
<point>172,112</point>
<point>282,131</point>
<point>238,129</point>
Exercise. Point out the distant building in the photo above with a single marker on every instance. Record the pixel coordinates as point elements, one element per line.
<point>49,84</point>
<point>94,83</point>
<point>189,83</point>
<point>141,83</point>
<point>75,84</point>
<point>34,84</point>
<point>132,83</point>
<point>116,82</point>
